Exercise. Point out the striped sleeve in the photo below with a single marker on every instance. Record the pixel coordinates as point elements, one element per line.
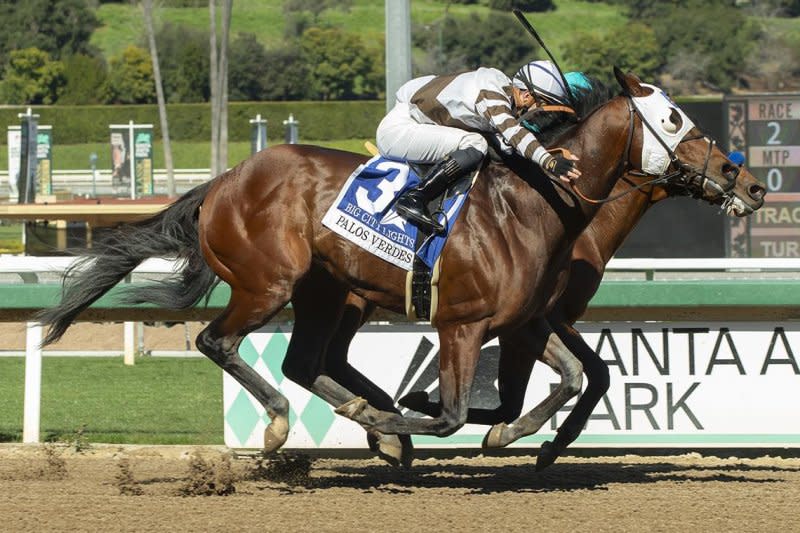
<point>495,106</point>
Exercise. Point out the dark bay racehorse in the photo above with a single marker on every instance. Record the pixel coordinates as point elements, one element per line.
<point>592,251</point>
<point>634,194</point>
<point>258,228</point>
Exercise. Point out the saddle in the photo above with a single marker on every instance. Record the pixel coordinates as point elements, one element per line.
<point>422,281</point>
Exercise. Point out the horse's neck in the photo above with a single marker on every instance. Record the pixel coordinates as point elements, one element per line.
<point>615,220</point>
<point>601,143</point>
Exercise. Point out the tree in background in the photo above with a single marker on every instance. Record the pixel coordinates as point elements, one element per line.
<point>454,44</point>
<point>184,61</point>
<point>438,41</point>
<point>498,41</point>
<point>339,64</point>
<point>635,50</point>
<point>249,65</point>
<point>85,76</point>
<point>287,76</point>
<point>788,8</point>
<point>58,27</point>
<point>31,77</point>
<point>130,79</point>
<point>374,83</point>
<point>710,32</point>
<point>773,65</point>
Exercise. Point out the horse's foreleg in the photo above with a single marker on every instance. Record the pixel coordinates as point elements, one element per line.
<point>557,356</point>
<point>518,353</point>
<point>459,348</point>
<point>597,383</point>
<point>220,340</point>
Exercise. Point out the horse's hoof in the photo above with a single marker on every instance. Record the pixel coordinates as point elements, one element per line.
<point>494,438</point>
<point>548,454</point>
<point>390,449</point>
<point>276,433</point>
<point>397,450</point>
<point>352,409</point>
<point>373,441</point>
<point>407,457</point>
<point>416,401</point>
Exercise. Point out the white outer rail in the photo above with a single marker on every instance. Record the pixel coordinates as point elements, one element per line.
<point>24,264</point>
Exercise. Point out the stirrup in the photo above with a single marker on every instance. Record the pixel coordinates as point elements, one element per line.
<point>421,219</point>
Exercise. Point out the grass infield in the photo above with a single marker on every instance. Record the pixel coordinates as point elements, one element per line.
<point>98,399</point>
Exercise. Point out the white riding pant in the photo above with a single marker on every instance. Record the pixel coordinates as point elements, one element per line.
<point>401,137</point>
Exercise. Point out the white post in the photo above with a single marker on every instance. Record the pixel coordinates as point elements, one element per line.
<point>291,135</point>
<point>397,14</point>
<point>129,343</point>
<point>33,383</point>
<point>131,151</point>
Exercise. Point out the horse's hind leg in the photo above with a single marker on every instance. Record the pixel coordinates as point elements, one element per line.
<point>317,354</point>
<point>220,340</point>
<point>562,361</point>
<point>459,348</point>
<point>392,448</point>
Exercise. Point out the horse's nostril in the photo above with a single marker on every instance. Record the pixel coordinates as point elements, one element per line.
<point>756,192</point>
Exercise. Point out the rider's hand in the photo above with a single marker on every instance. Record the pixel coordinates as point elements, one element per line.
<point>561,165</point>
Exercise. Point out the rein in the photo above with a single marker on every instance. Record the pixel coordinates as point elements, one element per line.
<point>683,169</point>
<point>562,108</point>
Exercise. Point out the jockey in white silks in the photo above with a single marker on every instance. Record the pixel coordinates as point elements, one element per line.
<point>442,119</point>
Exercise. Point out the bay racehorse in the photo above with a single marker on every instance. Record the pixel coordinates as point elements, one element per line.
<point>258,228</point>
<point>635,193</point>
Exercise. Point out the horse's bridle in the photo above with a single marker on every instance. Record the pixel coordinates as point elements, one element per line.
<point>684,174</point>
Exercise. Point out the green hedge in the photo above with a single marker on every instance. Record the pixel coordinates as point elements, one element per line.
<point>191,122</point>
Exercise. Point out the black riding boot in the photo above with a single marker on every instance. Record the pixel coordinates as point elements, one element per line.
<point>413,203</point>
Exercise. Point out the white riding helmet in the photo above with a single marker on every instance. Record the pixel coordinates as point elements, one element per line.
<point>545,79</point>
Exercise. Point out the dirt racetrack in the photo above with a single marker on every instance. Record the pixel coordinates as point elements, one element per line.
<point>114,488</point>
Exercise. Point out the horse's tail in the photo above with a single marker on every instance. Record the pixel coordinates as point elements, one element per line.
<point>172,232</point>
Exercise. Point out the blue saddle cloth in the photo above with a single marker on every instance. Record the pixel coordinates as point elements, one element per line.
<point>364,213</point>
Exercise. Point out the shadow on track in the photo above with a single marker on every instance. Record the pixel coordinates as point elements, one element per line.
<point>477,479</point>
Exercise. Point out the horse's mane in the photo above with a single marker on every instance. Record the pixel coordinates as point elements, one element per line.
<point>548,126</point>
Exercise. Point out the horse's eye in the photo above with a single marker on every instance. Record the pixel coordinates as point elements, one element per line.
<point>669,126</point>
<point>673,123</point>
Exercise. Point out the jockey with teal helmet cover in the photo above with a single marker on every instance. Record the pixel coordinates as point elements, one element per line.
<point>545,80</point>
<point>444,120</point>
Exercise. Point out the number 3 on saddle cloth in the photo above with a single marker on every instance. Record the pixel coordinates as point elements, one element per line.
<point>364,214</point>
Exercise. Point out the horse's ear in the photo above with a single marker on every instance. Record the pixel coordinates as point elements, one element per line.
<point>630,83</point>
